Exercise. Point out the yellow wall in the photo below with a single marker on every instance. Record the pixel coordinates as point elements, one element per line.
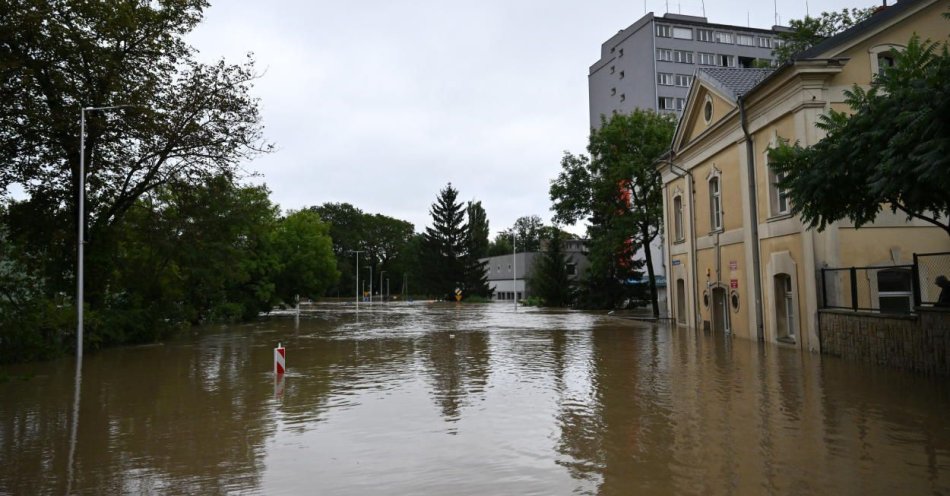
<point>872,245</point>
<point>697,124</point>
<point>785,128</point>
<point>726,161</point>
<point>928,24</point>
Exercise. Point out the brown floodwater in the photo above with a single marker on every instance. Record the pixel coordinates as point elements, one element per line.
<point>469,399</point>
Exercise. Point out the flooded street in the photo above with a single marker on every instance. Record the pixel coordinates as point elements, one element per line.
<point>470,399</point>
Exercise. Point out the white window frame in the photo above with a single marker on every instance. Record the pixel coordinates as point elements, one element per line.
<point>705,35</point>
<point>678,231</point>
<point>707,58</point>
<point>664,78</point>
<point>724,60</point>
<point>666,103</point>
<point>682,56</point>
<point>680,104</point>
<point>747,38</point>
<point>664,54</point>
<point>725,37</point>
<point>714,182</point>
<point>683,80</point>
<point>682,33</point>
<point>664,31</point>
<point>877,52</point>
<point>908,294</point>
<point>764,41</point>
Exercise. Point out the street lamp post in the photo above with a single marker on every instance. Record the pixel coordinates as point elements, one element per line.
<point>381,285</point>
<point>82,224</point>
<point>370,267</point>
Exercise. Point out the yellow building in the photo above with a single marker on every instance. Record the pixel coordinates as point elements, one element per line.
<point>738,261</point>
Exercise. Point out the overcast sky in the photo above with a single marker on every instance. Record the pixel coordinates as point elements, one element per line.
<point>381,103</point>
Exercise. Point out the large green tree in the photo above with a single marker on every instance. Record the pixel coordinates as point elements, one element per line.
<point>187,120</point>
<point>810,31</point>
<point>305,254</point>
<point>618,191</point>
<point>476,277</point>
<point>444,245</point>
<point>549,278</point>
<point>892,150</point>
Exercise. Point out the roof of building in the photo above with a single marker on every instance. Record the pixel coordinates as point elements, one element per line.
<point>881,16</point>
<point>733,81</point>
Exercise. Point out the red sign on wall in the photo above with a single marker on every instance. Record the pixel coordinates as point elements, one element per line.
<point>734,283</point>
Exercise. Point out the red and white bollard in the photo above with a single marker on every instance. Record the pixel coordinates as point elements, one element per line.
<point>280,364</point>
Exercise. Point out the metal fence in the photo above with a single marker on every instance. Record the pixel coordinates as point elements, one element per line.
<point>928,267</point>
<point>892,289</point>
<point>884,289</point>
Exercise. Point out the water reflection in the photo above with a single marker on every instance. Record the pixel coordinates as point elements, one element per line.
<point>535,402</point>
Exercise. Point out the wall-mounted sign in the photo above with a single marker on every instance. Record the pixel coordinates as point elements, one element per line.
<point>734,283</point>
<point>733,265</point>
<point>677,262</point>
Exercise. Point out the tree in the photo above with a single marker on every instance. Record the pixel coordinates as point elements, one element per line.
<point>810,31</point>
<point>528,230</point>
<point>444,244</point>
<point>189,121</point>
<point>618,191</point>
<point>550,279</point>
<point>893,150</point>
<point>305,253</point>
<point>476,278</point>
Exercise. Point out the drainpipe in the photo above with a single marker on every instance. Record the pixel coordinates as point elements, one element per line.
<point>692,233</point>
<point>754,219</point>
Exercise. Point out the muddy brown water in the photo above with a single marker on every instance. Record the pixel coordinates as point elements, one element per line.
<point>470,399</point>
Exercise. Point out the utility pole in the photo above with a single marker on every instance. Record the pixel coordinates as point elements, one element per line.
<point>357,285</point>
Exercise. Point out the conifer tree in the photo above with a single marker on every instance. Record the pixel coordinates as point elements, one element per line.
<point>549,278</point>
<point>476,279</point>
<point>444,244</point>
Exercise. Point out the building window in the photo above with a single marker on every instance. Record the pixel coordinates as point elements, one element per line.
<point>708,110</point>
<point>745,40</point>
<point>664,79</point>
<point>621,53</point>
<point>680,103</point>
<point>678,218</point>
<point>683,57</point>
<point>704,34</point>
<point>571,269</point>
<point>715,204</point>
<point>623,97</point>
<point>613,91</point>
<point>621,74</point>
<point>707,58</point>
<point>683,33</point>
<point>894,291</point>
<point>664,54</point>
<point>765,42</point>
<point>722,37</point>
<point>778,195</point>
<point>666,103</point>
<point>611,69</point>
<point>664,31</point>
<point>683,80</point>
<point>726,60</point>
<point>882,57</point>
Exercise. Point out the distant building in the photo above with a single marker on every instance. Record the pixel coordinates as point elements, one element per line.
<point>509,276</point>
<point>651,63</point>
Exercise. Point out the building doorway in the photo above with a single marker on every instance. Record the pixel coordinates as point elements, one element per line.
<point>720,310</point>
<point>680,301</point>
<point>786,326</point>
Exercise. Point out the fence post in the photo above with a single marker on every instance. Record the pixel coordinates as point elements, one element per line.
<point>915,271</point>
<point>824,290</point>
<point>854,289</point>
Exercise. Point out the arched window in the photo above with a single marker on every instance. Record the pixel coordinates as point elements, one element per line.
<point>678,218</point>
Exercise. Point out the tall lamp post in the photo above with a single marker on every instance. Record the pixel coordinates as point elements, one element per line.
<point>381,285</point>
<point>370,267</point>
<point>82,224</point>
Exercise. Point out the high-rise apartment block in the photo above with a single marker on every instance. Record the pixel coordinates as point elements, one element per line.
<point>651,64</point>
